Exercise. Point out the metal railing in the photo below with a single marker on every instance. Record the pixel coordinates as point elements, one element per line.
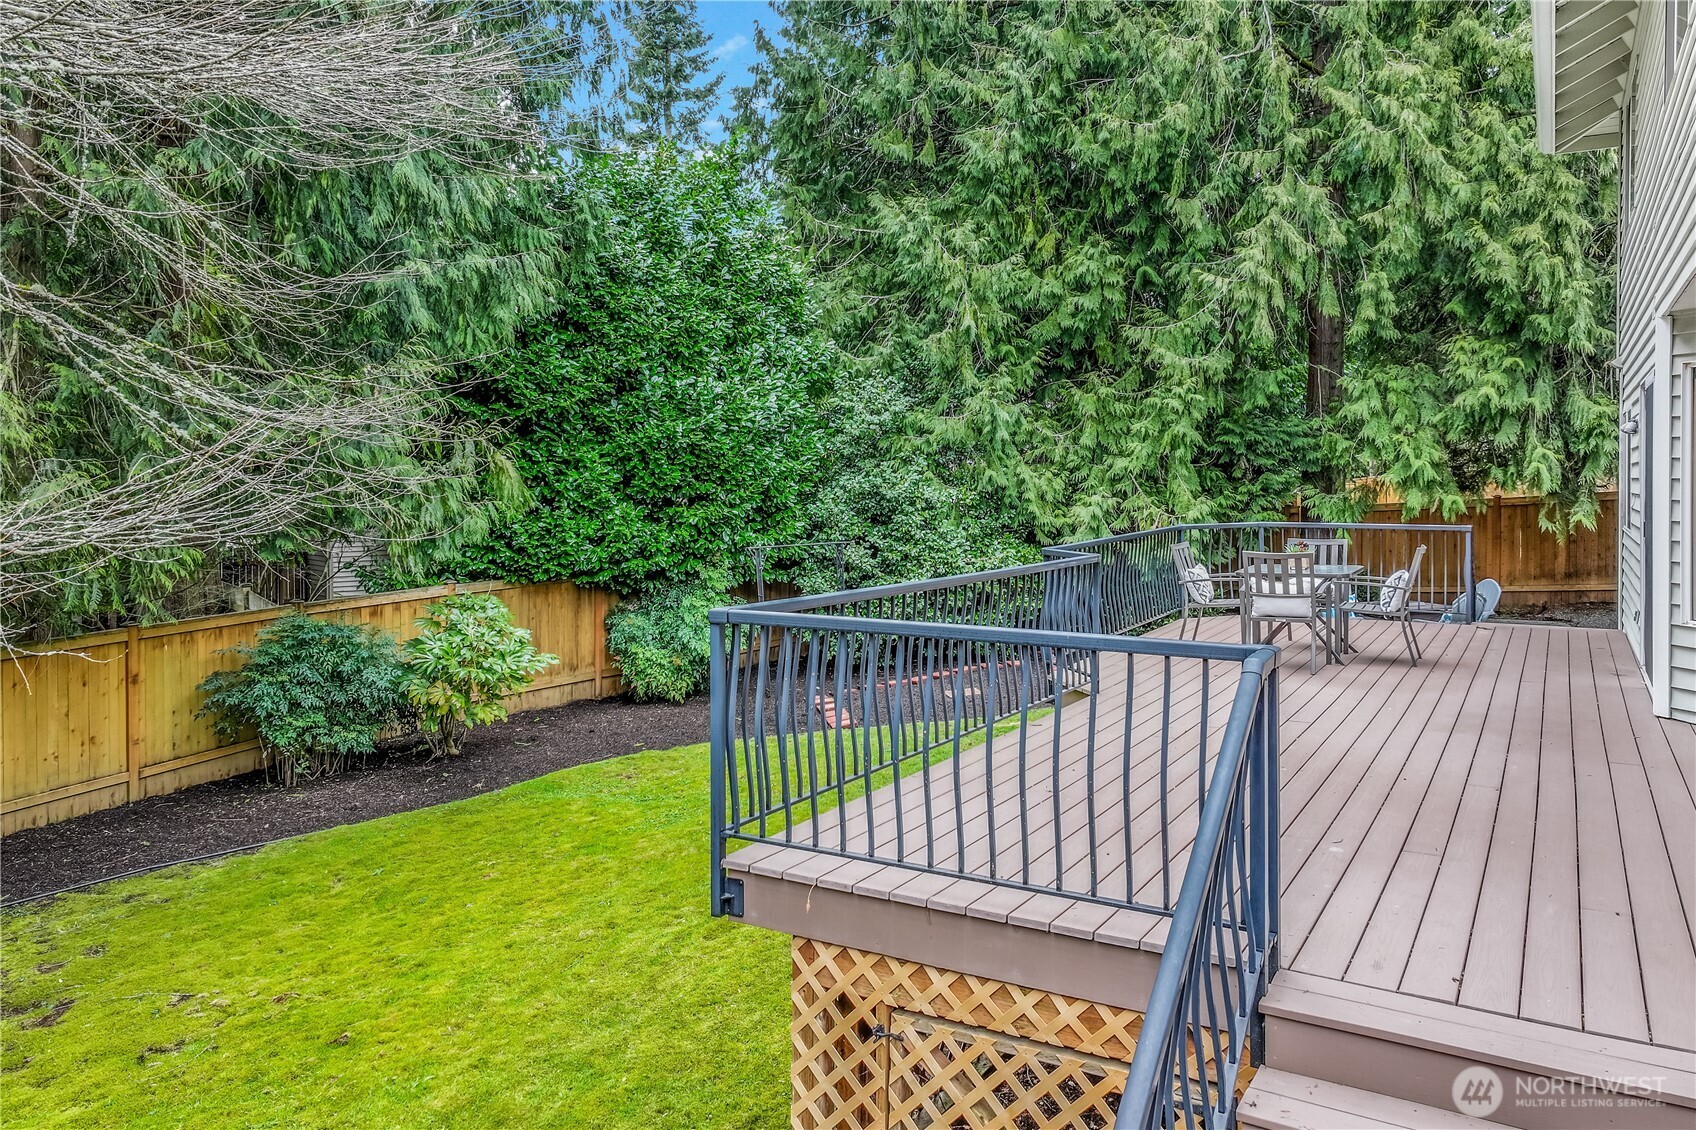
<point>878,740</point>
<point>897,725</point>
<point>1203,1018</point>
<point>1140,587</point>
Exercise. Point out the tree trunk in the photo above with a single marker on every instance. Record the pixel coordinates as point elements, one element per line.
<point>1324,348</point>
<point>1324,331</point>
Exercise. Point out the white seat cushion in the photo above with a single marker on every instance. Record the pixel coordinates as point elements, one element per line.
<point>1287,607</point>
<point>1396,588</point>
<point>1199,583</point>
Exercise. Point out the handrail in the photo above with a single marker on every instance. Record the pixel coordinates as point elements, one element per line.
<point>812,709</point>
<point>927,585</point>
<point>1139,587</point>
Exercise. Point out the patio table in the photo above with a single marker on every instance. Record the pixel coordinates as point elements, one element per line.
<point>1334,587</point>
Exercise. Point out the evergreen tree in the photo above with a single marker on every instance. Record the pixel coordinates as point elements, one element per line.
<point>240,252</point>
<point>749,116</point>
<point>1192,259</point>
<point>664,96</point>
<point>664,417</point>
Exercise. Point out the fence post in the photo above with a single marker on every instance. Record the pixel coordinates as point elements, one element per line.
<point>132,713</point>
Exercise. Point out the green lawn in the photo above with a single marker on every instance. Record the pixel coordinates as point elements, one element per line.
<point>541,956</point>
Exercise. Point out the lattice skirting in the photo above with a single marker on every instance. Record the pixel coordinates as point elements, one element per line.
<point>884,1043</point>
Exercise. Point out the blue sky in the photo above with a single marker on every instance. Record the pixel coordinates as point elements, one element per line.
<point>729,24</point>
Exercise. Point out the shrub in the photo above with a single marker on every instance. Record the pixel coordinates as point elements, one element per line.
<point>465,661</point>
<point>904,514</point>
<point>661,640</point>
<point>318,692</point>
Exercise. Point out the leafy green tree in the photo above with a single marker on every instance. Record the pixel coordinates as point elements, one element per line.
<point>1190,260</point>
<point>665,416</point>
<point>900,515</point>
<point>664,96</point>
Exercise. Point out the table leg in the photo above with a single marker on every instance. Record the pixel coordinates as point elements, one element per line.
<point>1336,628</point>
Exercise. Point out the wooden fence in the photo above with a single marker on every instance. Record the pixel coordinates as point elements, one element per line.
<point>1534,566</point>
<point>111,717</point>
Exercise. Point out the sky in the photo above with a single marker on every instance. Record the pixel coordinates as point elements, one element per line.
<point>729,25</point>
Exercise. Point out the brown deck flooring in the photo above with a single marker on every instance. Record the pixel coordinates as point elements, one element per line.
<point>1506,827</point>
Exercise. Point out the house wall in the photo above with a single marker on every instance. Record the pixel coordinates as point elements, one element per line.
<point>1657,259</point>
<point>1681,502</point>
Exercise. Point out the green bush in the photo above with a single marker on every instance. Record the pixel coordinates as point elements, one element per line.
<point>903,514</point>
<point>317,691</point>
<point>661,640</point>
<point>467,658</point>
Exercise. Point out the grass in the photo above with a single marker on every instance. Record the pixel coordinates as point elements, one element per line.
<point>539,956</point>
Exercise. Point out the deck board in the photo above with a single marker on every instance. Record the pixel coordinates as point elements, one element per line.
<point>1503,830</point>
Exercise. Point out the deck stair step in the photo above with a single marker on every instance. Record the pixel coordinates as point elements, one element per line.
<point>1411,1049</point>
<point>1281,1100</point>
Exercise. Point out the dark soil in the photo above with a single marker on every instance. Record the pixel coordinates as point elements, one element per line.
<point>1595,614</point>
<point>244,811</point>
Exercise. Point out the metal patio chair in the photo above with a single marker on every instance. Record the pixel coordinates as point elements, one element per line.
<point>1201,590</point>
<point>1281,589</point>
<point>1326,551</point>
<point>1390,598</point>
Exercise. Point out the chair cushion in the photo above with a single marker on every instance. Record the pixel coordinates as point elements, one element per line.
<point>1395,592</point>
<point>1287,607</point>
<point>1199,583</point>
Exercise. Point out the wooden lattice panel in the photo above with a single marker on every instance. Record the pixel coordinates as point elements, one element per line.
<point>844,1075</point>
<point>962,1078</point>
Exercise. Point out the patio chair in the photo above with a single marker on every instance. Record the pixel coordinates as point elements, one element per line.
<point>1201,590</point>
<point>1486,595</point>
<point>1326,551</point>
<point>1281,589</point>
<point>1390,598</point>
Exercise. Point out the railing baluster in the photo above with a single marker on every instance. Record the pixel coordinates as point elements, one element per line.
<point>994,669</point>
<point>1165,787</point>
<point>1054,770</point>
<point>1024,748</point>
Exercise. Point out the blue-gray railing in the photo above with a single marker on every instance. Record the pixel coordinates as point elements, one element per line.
<point>894,724</point>
<point>1203,1018</point>
<point>1141,588</point>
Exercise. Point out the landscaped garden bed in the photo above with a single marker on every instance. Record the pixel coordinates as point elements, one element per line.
<point>538,956</point>
<point>242,811</point>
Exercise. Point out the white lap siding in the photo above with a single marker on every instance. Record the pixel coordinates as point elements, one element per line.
<point>1657,337</point>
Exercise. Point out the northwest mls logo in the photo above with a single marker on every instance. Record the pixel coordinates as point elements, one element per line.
<point>1477,1091</point>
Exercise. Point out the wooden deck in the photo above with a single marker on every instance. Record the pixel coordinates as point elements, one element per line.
<point>1505,829</point>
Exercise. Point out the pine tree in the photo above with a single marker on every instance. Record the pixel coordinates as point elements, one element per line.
<point>241,250</point>
<point>663,96</point>
<point>1144,261</point>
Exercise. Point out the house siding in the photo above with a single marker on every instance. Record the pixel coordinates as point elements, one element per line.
<point>1657,249</point>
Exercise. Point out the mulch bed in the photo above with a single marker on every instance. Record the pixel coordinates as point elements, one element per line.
<point>1592,614</point>
<point>245,810</point>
